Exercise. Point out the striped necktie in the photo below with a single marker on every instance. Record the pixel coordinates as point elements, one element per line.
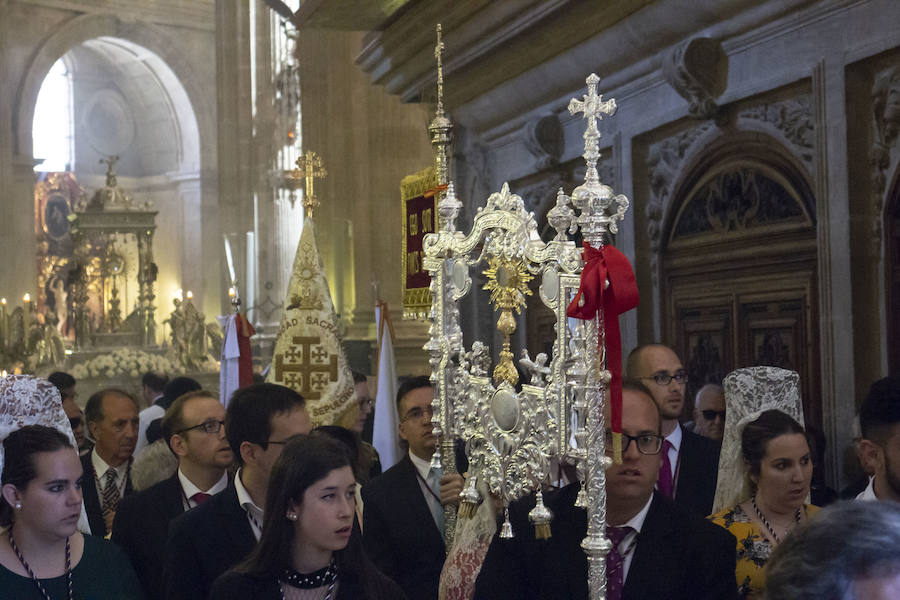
<point>110,491</point>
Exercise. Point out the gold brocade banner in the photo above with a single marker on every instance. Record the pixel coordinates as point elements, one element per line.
<point>308,354</point>
<point>419,214</point>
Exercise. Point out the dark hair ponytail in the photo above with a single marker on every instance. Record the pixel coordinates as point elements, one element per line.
<point>18,458</point>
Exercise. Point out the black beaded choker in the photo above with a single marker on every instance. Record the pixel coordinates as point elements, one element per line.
<point>311,581</point>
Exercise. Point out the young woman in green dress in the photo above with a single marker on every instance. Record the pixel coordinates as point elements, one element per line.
<point>42,555</point>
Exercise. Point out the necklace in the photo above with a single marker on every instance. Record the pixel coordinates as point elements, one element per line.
<point>37,582</point>
<point>766,523</point>
<point>310,581</point>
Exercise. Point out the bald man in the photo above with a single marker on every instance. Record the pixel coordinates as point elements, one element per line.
<point>690,463</point>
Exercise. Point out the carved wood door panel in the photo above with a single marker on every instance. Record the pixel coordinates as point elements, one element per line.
<point>728,320</point>
<point>892,304</point>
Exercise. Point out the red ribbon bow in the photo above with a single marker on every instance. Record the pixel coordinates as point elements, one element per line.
<point>603,263</point>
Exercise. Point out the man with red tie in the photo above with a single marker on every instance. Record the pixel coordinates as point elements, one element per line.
<point>690,462</point>
<point>194,428</point>
<point>659,550</point>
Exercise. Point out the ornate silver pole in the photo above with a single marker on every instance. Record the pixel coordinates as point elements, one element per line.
<point>593,200</point>
<point>445,342</point>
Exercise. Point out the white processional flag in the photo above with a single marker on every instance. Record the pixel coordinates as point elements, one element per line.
<point>385,437</point>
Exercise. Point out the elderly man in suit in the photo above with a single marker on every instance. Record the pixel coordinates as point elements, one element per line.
<point>194,429</point>
<point>659,549</point>
<point>403,518</point>
<point>690,462</point>
<point>112,419</point>
<point>205,542</point>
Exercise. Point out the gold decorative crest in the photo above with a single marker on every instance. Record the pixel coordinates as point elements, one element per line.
<point>508,284</point>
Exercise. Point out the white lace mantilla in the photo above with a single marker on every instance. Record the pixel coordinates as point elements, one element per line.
<point>748,393</point>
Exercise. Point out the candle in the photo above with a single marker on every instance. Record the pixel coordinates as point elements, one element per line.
<point>4,323</point>
<point>190,295</point>
<point>231,292</point>
<point>26,299</point>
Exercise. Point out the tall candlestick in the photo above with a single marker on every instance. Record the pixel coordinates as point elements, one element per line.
<point>27,314</point>
<point>4,324</point>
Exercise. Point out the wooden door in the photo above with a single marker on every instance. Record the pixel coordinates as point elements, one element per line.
<point>739,278</point>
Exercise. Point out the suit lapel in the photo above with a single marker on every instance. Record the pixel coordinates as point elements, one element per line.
<point>420,513</point>
<point>233,519</point>
<point>90,497</point>
<point>650,566</point>
<point>171,503</point>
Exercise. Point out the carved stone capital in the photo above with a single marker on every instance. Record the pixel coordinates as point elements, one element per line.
<point>698,70</point>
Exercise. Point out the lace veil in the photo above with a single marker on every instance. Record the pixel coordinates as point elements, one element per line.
<point>748,393</point>
<point>28,400</point>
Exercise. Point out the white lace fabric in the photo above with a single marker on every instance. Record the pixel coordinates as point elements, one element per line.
<point>28,400</point>
<point>748,393</point>
<point>470,545</point>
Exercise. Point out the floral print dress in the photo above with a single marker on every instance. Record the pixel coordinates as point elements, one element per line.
<point>753,549</point>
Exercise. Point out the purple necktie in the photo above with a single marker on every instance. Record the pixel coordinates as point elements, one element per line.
<point>615,563</point>
<point>664,484</point>
<point>200,497</point>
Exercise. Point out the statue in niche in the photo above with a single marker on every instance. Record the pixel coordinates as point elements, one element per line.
<point>195,334</point>
<point>60,304</point>
<point>177,331</point>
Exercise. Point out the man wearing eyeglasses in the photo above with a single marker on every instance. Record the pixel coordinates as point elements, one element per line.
<point>709,412</point>
<point>403,518</point>
<point>194,428</point>
<point>659,550</point>
<point>690,463</point>
<point>206,541</point>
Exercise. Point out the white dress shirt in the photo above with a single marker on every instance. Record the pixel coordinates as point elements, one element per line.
<point>100,468</point>
<point>189,489</point>
<point>869,492</point>
<point>628,544</point>
<point>254,513</point>
<point>145,417</point>
<point>424,469</point>
<point>674,438</point>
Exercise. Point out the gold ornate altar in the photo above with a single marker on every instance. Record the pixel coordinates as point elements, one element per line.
<point>113,269</point>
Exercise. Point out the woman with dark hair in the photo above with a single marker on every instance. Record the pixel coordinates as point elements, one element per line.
<point>776,464</point>
<point>308,547</point>
<point>42,555</point>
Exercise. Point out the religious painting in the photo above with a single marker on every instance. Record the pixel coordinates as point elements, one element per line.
<point>55,195</point>
<point>419,212</point>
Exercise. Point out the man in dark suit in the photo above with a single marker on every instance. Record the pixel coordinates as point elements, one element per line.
<point>659,549</point>
<point>112,419</point>
<point>403,508</point>
<point>205,542</point>
<point>194,429</point>
<point>690,462</point>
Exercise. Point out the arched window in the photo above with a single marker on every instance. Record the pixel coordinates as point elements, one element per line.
<point>53,129</point>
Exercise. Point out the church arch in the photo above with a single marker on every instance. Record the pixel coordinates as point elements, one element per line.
<point>738,269</point>
<point>161,54</point>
